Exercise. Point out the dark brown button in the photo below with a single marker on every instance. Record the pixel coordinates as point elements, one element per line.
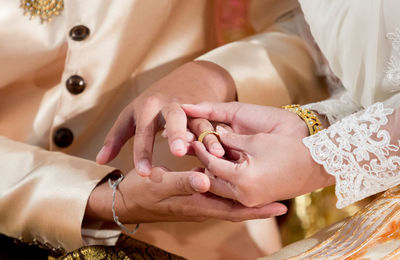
<point>79,33</point>
<point>75,84</point>
<point>63,137</point>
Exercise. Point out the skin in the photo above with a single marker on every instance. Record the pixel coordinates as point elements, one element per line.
<point>153,194</point>
<point>159,106</point>
<point>169,196</point>
<point>265,158</point>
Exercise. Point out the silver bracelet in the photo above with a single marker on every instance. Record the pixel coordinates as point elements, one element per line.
<point>114,187</point>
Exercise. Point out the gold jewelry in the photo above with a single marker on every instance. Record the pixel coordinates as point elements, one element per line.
<point>45,9</point>
<point>310,118</point>
<point>202,135</point>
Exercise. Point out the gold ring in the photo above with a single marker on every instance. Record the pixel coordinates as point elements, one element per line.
<point>202,135</point>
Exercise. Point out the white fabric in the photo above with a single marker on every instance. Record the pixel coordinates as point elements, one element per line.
<point>361,41</point>
<point>359,153</point>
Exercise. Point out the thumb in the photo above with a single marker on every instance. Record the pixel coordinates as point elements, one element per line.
<point>186,183</point>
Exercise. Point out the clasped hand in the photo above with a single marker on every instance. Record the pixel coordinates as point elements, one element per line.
<point>151,194</point>
<point>265,158</point>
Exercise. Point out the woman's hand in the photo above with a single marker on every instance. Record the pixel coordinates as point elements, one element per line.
<point>248,119</point>
<point>264,168</point>
<point>265,157</point>
<point>159,106</point>
<point>169,196</point>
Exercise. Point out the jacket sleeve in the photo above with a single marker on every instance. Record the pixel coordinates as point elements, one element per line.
<point>273,68</point>
<point>43,194</point>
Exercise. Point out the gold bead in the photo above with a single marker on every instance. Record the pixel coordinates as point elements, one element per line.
<point>45,9</point>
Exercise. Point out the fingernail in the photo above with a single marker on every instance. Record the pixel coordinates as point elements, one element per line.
<point>221,130</point>
<point>217,148</point>
<point>178,146</point>
<point>197,184</point>
<point>144,167</point>
<point>281,211</point>
<point>99,154</point>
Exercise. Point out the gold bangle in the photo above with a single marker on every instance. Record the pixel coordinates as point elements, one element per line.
<point>310,118</point>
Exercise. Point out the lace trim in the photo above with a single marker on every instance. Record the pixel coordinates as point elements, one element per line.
<point>392,69</point>
<point>334,109</point>
<point>358,153</point>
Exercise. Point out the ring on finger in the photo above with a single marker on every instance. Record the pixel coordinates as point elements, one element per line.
<point>203,134</point>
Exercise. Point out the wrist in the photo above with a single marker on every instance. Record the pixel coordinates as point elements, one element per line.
<point>98,207</point>
<point>219,80</point>
<point>99,203</point>
<point>310,119</point>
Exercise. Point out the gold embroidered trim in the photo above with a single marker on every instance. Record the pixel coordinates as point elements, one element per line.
<point>359,230</point>
<point>45,9</point>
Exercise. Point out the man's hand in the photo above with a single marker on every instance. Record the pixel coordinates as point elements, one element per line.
<point>169,196</point>
<point>159,106</point>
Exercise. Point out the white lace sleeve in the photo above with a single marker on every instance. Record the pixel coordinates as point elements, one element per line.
<point>335,108</point>
<point>361,151</point>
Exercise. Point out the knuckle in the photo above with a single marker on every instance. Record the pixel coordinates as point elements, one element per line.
<point>174,209</point>
<point>174,112</point>
<point>181,185</point>
<point>202,125</point>
<point>152,101</point>
<point>211,167</point>
<point>144,131</point>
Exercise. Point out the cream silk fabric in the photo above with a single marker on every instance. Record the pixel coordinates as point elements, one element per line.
<point>44,189</point>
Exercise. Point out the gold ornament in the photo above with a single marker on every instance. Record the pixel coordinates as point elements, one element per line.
<point>45,9</point>
<point>310,118</point>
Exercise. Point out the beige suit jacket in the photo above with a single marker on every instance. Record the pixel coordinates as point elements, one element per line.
<point>131,44</point>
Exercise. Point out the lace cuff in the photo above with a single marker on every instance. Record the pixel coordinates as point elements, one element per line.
<point>335,108</point>
<point>358,151</point>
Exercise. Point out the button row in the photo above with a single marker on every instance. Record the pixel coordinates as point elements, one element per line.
<point>75,84</point>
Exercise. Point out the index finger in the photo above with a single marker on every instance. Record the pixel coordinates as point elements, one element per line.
<point>220,112</point>
<point>217,166</point>
<point>175,125</point>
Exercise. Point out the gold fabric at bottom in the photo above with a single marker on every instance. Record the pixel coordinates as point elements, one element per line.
<point>127,248</point>
<point>372,233</point>
<point>312,212</point>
